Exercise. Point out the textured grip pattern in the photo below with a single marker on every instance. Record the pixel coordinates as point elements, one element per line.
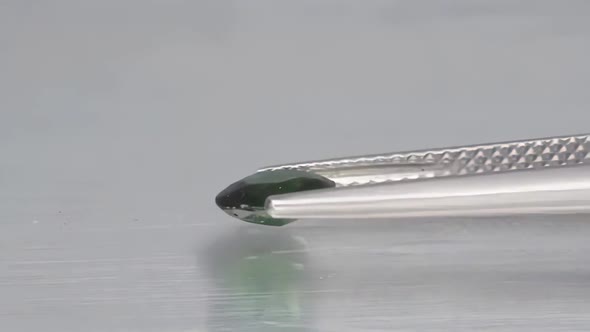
<point>475,159</point>
<point>513,156</point>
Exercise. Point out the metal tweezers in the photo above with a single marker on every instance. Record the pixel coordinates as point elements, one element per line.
<point>536,176</point>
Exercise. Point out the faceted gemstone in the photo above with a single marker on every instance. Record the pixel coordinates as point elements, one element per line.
<point>245,199</point>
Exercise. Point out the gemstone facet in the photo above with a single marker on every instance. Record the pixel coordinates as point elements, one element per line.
<point>245,199</point>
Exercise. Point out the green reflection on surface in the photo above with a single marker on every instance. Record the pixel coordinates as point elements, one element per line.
<point>258,275</point>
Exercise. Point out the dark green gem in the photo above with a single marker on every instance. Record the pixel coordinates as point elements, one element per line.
<point>245,199</point>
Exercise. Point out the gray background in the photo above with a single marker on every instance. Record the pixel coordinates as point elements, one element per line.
<point>121,119</point>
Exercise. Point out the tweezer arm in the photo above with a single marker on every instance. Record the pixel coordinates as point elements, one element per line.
<point>453,161</point>
<point>548,175</point>
<point>563,190</point>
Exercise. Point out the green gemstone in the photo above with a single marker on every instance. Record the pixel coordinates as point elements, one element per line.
<point>245,199</point>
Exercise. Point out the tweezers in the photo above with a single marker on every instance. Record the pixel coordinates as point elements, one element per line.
<point>534,176</point>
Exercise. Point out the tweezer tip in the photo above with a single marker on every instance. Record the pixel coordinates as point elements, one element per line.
<point>246,199</point>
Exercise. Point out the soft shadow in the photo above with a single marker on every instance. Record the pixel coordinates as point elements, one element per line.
<point>257,273</point>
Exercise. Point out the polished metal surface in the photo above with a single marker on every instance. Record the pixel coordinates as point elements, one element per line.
<point>121,120</point>
<point>480,159</point>
<point>558,190</point>
<point>549,175</point>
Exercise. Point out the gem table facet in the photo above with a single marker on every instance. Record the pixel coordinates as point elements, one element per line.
<point>245,199</point>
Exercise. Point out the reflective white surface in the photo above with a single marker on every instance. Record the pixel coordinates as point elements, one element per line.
<point>121,120</point>
<point>562,190</point>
